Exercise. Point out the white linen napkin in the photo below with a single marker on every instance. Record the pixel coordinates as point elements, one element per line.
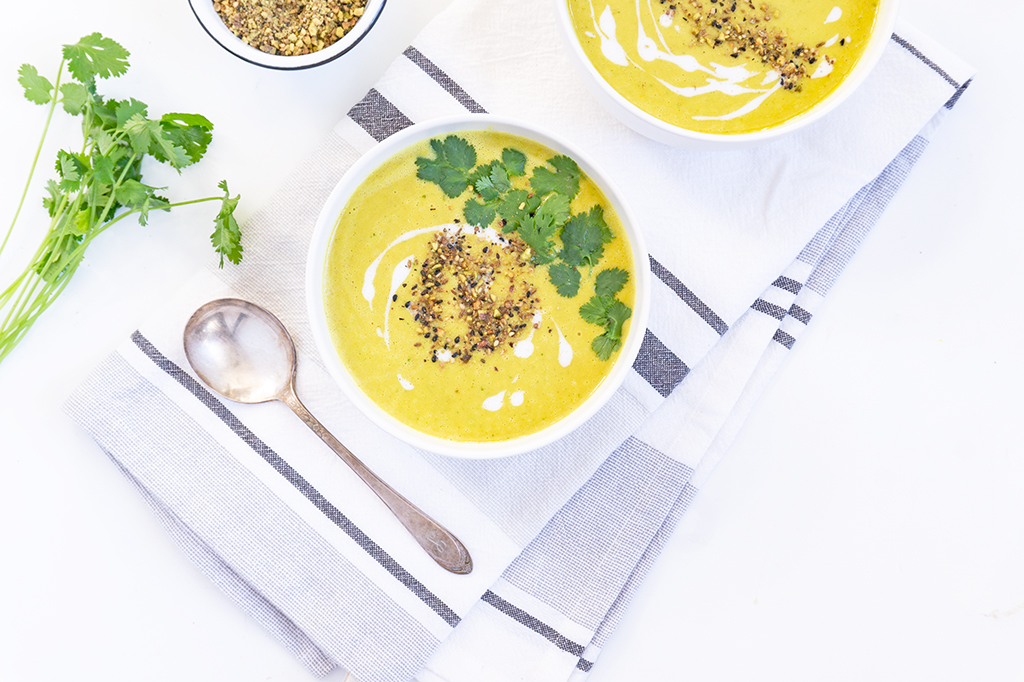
<point>560,537</point>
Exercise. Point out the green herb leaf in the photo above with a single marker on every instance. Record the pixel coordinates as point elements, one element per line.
<point>554,209</point>
<point>147,137</point>
<point>584,237</point>
<point>191,133</point>
<point>227,236</point>
<point>611,314</point>
<point>565,278</point>
<point>127,110</point>
<point>537,231</point>
<point>37,88</point>
<point>514,161</point>
<point>490,181</point>
<point>595,311</point>
<point>610,282</point>
<point>477,213</point>
<point>564,179</point>
<point>74,97</point>
<point>70,169</point>
<point>52,198</point>
<point>95,57</point>
<point>618,312</point>
<point>605,346</point>
<point>459,153</point>
<point>454,159</point>
<point>516,207</point>
<point>138,197</point>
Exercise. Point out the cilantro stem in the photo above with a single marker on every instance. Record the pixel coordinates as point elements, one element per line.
<point>35,159</point>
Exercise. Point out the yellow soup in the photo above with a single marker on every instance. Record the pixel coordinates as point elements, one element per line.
<point>459,330</point>
<point>723,66</point>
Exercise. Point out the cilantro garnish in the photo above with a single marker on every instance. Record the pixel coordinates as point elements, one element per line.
<point>584,237</point>
<point>101,184</point>
<point>454,159</point>
<point>610,282</point>
<point>540,213</point>
<point>566,279</point>
<point>604,310</point>
<point>565,179</point>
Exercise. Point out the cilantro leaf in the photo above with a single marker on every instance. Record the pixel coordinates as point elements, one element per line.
<point>95,57</point>
<point>73,97</point>
<point>190,132</point>
<point>537,231</point>
<point>565,278</point>
<point>127,109</point>
<point>37,88</point>
<point>605,346</point>
<point>105,142</point>
<point>595,311</point>
<point>477,213</point>
<point>227,236</point>
<point>514,161</point>
<point>70,168</point>
<point>565,179</point>
<point>139,197</point>
<point>583,237</point>
<point>618,312</point>
<point>458,152</point>
<point>554,209</point>
<point>611,314</point>
<point>103,168</point>
<point>610,282</point>
<point>52,199</point>
<point>517,205</point>
<point>133,194</point>
<point>490,181</point>
<point>147,137</point>
<point>454,159</point>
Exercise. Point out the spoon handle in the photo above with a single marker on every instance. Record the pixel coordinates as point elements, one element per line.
<point>435,539</point>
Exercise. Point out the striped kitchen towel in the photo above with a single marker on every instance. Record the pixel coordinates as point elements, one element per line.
<point>744,245</point>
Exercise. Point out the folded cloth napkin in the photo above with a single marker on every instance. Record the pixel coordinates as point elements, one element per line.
<point>743,246</point>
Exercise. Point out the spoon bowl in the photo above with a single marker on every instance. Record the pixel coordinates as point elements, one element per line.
<point>244,353</point>
<point>241,351</point>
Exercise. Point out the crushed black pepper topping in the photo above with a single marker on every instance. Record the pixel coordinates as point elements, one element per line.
<point>745,28</point>
<point>459,306</point>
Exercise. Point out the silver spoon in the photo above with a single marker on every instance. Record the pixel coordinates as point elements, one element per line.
<point>244,353</point>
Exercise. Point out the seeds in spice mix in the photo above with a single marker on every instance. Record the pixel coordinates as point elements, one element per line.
<point>289,27</point>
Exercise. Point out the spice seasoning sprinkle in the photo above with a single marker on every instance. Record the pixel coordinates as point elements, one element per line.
<point>473,301</point>
<point>741,26</point>
<point>289,27</point>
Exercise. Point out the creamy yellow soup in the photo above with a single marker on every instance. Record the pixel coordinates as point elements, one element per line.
<point>452,328</point>
<point>723,66</point>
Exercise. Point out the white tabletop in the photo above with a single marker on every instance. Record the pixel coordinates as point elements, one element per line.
<point>886,543</point>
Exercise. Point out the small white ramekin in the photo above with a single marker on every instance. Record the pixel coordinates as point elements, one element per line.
<point>222,35</point>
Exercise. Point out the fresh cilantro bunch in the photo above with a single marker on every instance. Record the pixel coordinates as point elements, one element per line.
<point>540,213</point>
<point>102,183</point>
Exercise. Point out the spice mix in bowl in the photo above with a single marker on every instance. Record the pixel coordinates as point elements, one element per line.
<point>477,287</point>
<point>287,34</point>
<point>724,73</point>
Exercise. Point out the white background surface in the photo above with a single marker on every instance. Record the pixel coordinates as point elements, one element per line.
<point>868,523</point>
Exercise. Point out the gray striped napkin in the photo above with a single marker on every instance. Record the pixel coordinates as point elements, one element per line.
<point>744,246</point>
